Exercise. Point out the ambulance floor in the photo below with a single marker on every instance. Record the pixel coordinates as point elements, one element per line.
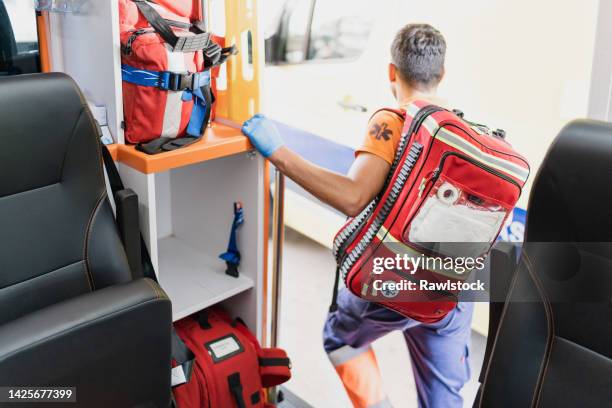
<point>306,289</point>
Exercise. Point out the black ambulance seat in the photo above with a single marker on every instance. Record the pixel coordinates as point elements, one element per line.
<point>70,313</point>
<point>554,342</point>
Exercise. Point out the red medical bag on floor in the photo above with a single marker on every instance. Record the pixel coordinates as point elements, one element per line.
<point>231,368</point>
<point>449,192</point>
<point>166,61</point>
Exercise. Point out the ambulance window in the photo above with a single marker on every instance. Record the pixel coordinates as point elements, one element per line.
<point>340,29</point>
<point>297,31</point>
<point>18,38</point>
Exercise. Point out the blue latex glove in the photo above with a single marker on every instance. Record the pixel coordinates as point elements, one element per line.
<point>263,134</point>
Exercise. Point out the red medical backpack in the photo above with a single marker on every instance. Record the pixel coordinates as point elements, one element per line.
<point>231,368</point>
<point>166,61</point>
<point>449,192</point>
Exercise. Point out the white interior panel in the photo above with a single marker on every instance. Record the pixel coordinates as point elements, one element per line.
<point>164,204</point>
<point>202,214</point>
<point>90,48</point>
<point>202,206</point>
<point>194,280</point>
<point>600,99</point>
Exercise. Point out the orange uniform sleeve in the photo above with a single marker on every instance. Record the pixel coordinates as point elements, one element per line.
<point>383,136</point>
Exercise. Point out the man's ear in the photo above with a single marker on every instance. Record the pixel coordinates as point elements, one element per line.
<point>392,72</point>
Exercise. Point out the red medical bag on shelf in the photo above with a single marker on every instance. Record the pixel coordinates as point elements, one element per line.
<point>231,369</point>
<point>166,63</point>
<point>449,192</point>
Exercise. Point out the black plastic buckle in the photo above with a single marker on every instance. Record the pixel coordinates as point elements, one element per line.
<point>500,133</point>
<point>179,82</point>
<point>186,81</point>
<point>232,269</point>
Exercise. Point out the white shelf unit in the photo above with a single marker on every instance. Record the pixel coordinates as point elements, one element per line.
<point>194,280</point>
<point>186,214</point>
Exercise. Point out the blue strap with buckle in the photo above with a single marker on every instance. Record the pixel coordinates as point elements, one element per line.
<point>193,87</point>
<point>232,256</point>
<point>198,113</point>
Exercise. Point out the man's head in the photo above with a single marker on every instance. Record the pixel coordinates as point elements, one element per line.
<point>417,58</point>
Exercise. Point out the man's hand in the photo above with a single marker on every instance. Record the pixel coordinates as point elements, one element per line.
<point>263,134</point>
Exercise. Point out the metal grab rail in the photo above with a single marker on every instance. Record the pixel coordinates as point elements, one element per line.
<point>278,239</point>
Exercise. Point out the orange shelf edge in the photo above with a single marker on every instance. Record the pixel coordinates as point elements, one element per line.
<point>220,140</point>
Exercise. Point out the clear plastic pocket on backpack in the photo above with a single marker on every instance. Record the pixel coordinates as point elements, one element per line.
<point>455,222</point>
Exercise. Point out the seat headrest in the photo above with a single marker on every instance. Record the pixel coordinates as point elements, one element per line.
<point>568,240</point>
<point>39,115</point>
<point>8,46</point>
<point>571,199</point>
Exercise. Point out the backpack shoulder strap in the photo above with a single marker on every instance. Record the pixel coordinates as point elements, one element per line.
<point>163,27</point>
<point>399,112</point>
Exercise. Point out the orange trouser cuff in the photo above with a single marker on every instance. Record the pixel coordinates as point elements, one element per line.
<point>358,370</point>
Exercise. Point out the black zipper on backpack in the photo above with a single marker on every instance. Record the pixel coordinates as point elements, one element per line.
<point>476,163</point>
<point>419,118</point>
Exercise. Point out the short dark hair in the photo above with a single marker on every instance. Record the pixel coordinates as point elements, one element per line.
<point>418,52</point>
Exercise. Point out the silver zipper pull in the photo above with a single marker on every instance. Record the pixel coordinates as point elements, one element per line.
<point>422,186</point>
<point>433,176</point>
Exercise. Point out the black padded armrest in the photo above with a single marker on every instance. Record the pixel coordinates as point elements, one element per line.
<point>126,201</point>
<point>503,261</point>
<point>113,345</point>
<point>502,268</point>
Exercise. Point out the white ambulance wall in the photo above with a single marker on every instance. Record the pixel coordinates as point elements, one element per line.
<point>600,106</point>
